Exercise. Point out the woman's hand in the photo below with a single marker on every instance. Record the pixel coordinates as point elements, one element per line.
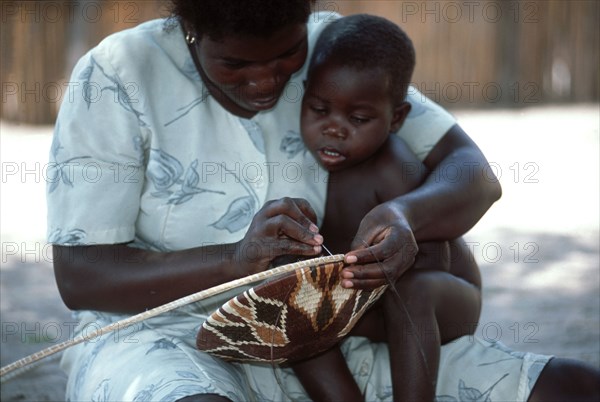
<point>383,249</point>
<point>281,227</point>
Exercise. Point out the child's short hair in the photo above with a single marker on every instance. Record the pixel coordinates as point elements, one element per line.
<point>366,41</point>
<point>219,18</point>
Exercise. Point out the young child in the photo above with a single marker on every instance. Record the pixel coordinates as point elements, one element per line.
<point>360,66</point>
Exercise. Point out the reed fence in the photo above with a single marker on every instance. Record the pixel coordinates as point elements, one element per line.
<point>470,54</point>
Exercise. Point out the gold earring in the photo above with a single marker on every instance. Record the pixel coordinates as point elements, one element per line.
<point>190,38</point>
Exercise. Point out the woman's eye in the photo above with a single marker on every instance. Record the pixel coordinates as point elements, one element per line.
<point>294,50</point>
<point>290,53</point>
<point>235,64</point>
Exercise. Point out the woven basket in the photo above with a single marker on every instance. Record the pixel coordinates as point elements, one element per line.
<point>292,317</point>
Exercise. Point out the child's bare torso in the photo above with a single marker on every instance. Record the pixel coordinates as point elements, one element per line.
<point>394,170</point>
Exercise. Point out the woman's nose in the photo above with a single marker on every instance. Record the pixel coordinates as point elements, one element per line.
<point>265,78</point>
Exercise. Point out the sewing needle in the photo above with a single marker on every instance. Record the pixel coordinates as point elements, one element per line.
<point>323,245</point>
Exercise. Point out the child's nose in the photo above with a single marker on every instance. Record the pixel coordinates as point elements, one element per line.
<point>335,130</point>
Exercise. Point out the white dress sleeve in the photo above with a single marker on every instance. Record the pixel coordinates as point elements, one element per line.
<point>95,174</point>
<point>425,125</point>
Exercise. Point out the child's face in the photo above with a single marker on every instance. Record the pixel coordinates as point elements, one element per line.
<point>347,114</point>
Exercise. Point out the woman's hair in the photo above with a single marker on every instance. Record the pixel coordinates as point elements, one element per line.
<point>219,18</point>
<point>365,42</point>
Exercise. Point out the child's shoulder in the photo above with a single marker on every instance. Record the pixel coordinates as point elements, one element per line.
<point>395,152</point>
<point>398,167</point>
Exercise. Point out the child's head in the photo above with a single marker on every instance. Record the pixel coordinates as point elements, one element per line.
<point>355,94</point>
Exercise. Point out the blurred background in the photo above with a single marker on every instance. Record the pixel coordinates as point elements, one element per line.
<point>521,77</point>
<point>471,54</point>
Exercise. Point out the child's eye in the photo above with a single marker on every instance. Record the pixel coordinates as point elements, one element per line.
<point>359,119</point>
<point>318,109</point>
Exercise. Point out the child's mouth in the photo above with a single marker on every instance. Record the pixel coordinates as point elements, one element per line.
<point>330,156</point>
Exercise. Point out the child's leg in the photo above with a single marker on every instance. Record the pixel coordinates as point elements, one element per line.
<point>430,308</point>
<point>326,377</point>
<point>428,297</point>
<point>453,256</point>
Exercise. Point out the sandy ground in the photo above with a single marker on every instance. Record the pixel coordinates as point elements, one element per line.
<point>538,247</point>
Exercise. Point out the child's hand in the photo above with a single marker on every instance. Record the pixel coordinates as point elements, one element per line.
<point>383,249</point>
<point>284,226</point>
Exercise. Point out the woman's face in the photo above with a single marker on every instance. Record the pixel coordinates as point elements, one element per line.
<point>347,114</point>
<point>247,74</point>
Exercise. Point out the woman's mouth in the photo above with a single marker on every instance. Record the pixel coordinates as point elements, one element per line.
<point>264,99</point>
<point>264,103</point>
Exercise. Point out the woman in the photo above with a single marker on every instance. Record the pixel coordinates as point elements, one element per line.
<point>178,166</point>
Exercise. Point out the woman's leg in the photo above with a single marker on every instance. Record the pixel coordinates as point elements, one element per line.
<point>566,380</point>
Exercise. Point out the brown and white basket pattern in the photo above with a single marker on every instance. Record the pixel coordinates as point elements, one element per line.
<point>292,317</point>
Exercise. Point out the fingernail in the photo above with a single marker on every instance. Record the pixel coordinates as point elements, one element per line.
<point>347,274</point>
<point>318,238</point>
<point>347,284</point>
<point>317,249</point>
<point>313,228</point>
<point>350,259</point>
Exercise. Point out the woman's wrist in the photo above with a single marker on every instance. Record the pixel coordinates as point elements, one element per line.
<point>246,259</point>
<point>404,209</point>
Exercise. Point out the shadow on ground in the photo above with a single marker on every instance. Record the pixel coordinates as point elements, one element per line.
<point>33,318</point>
<point>542,293</point>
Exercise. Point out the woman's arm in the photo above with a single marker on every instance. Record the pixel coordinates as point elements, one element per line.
<point>119,278</point>
<point>455,195</point>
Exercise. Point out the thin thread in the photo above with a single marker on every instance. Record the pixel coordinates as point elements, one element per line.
<point>410,321</point>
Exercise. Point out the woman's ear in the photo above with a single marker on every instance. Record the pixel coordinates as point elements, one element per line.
<point>400,113</point>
